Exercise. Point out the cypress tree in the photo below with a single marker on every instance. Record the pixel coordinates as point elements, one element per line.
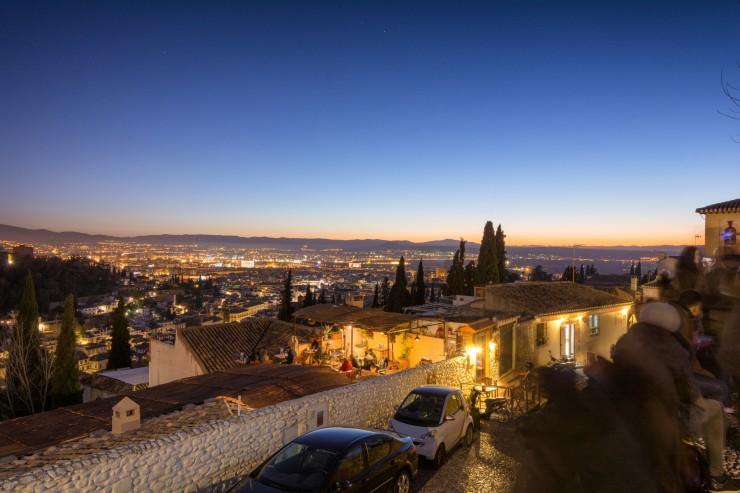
<point>456,275</point>
<point>308,298</point>
<point>26,376</point>
<point>501,254</point>
<point>432,299</point>
<point>581,276</point>
<point>385,293</point>
<point>487,271</point>
<point>399,295</point>
<point>376,300</point>
<point>120,351</point>
<point>322,296</point>
<point>632,269</point>
<point>469,279</point>
<point>420,286</point>
<point>286,295</point>
<point>638,269</point>
<point>65,380</point>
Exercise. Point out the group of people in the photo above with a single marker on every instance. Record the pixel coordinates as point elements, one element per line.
<point>634,425</point>
<point>369,362</point>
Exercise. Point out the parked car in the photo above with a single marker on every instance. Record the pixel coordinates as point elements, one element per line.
<point>338,460</point>
<point>437,418</point>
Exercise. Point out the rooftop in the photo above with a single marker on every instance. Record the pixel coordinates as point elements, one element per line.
<point>720,207</point>
<point>542,298</point>
<point>84,428</point>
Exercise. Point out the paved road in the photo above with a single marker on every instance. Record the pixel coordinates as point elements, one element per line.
<point>488,466</point>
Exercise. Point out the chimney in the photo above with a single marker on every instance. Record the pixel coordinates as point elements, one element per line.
<point>126,416</point>
<point>633,283</point>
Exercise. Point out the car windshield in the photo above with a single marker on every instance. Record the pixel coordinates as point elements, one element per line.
<point>421,410</point>
<point>298,468</point>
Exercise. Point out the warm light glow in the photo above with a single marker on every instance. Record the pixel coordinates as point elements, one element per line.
<point>624,311</point>
<point>472,351</point>
<point>491,345</point>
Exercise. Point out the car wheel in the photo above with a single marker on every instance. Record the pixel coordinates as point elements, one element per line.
<point>403,483</point>
<point>440,456</point>
<point>469,436</point>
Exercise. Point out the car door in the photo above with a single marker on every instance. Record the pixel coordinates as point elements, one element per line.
<point>352,471</point>
<point>381,465</point>
<point>453,427</point>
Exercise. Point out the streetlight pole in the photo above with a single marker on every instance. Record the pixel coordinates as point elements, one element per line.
<point>574,261</point>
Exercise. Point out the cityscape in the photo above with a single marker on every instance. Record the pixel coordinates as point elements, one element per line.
<point>408,246</point>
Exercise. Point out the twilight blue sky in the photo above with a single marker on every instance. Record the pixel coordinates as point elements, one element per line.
<point>592,122</point>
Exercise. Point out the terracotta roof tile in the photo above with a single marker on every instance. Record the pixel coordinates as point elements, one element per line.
<point>540,298</point>
<point>729,206</point>
<point>217,347</point>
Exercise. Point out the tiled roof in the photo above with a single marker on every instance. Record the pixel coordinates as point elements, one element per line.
<point>729,206</point>
<point>367,318</point>
<point>217,347</point>
<point>259,386</point>
<point>540,298</point>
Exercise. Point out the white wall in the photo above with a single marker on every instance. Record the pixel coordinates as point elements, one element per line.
<point>218,451</point>
<point>170,362</point>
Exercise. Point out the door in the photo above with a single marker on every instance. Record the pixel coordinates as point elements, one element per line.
<point>381,466</point>
<point>453,428</point>
<point>351,470</point>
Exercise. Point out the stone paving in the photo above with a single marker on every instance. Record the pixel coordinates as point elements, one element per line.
<point>488,466</point>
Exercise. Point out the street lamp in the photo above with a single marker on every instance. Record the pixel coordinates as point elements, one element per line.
<point>574,261</point>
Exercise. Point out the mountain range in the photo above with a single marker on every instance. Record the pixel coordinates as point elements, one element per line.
<point>43,236</point>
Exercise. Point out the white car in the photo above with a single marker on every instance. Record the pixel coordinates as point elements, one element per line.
<point>437,418</point>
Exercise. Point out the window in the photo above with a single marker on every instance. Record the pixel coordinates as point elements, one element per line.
<point>506,355</point>
<point>593,325</point>
<point>352,464</point>
<point>568,341</point>
<point>541,334</point>
<point>377,449</point>
<point>453,405</point>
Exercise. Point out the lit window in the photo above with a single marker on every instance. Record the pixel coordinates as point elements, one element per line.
<point>568,349</point>
<point>541,334</point>
<point>593,325</point>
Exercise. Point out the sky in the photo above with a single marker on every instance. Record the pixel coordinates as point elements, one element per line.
<point>567,122</point>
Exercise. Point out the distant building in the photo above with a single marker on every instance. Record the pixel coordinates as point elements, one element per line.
<point>21,252</point>
<point>720,223</point>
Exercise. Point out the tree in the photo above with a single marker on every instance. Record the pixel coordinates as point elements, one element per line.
<point>399,297</point>
<point>638,269</point>
<point>286,295</point>
<point>28,369</point>
<point>456,275</point>
<point>487,271</point>
<point>376,297</point>
<point>501,254</point>
<point>581,276</point>
<point>226,314</point>
<point>120,350</point>
<point>432,299</point>
<point>568,274</point>
<point>539,274</point>
<point>308,298</point>
<point>632,269</point>
<point>385,292</point>
<point>420,293</point>
<point>469,279</point>
<point>65,380</point>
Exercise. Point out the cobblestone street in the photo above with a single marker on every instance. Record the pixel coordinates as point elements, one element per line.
<point>488,466</point>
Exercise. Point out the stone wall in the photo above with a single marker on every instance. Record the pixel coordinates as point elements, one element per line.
<point>210,453</point>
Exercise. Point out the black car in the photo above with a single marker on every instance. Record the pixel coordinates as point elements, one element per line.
<point>338,460</point>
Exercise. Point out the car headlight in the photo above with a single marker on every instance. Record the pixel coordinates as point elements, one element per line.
<point>429,434</point>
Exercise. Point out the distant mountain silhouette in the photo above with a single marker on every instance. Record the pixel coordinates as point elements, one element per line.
<point>39,236</point>
<point>23,235</point>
